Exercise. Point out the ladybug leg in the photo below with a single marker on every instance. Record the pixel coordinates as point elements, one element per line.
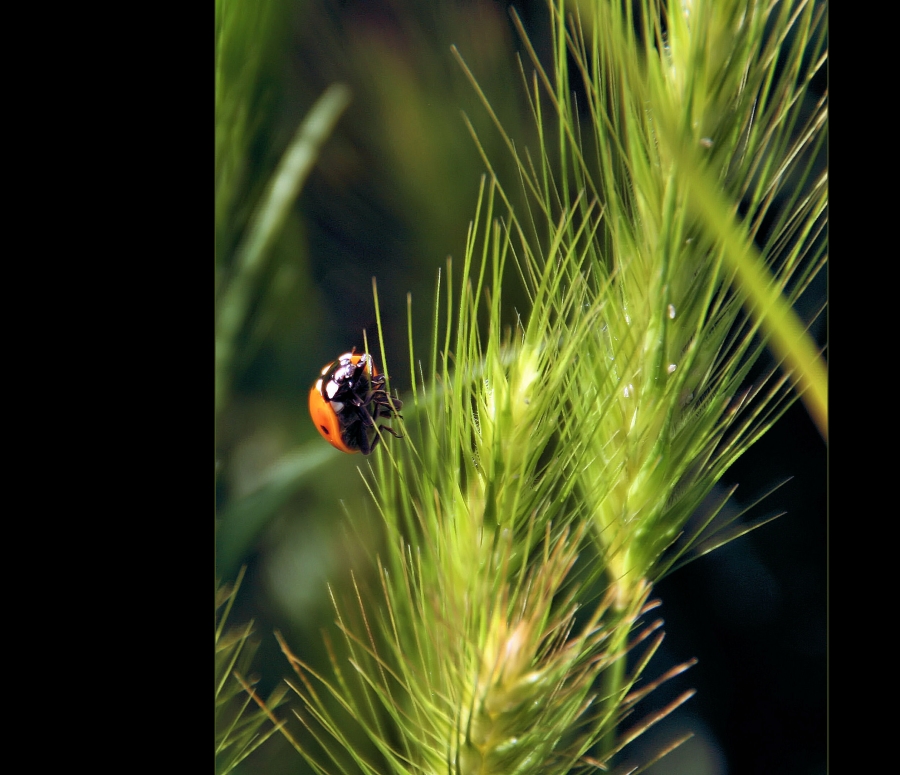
<point>366,423</point>
<point>385,405</point>
<point>365,417</point>
<point>394,406</point>
<point>365,446</point>
<point>370,403</point>
<point>383,409</point>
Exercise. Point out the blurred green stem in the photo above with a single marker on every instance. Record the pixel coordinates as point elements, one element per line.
<point>266,224</point>
<point>787,335</point>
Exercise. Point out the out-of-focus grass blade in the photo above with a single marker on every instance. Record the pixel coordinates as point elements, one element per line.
<point>786,333</point>
<point>243,520</point>
<point>268,220</point>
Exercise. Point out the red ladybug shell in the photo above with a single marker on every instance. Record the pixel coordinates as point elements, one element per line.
<point>347,400</point>
<point>326,421</point>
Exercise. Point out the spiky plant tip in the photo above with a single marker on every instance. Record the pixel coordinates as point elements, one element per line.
<point>243,720</point>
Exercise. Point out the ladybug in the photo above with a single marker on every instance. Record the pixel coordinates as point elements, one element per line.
<point>348,400</point>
